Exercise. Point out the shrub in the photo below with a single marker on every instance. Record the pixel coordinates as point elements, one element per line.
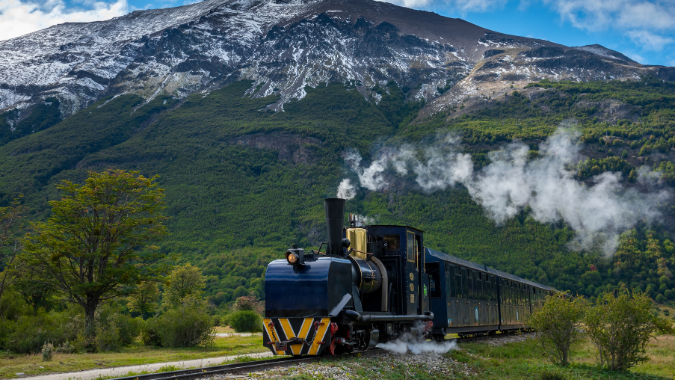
<point>47,352</point>
<point>114,329</point>
<point>245,321</point>
<point>557,323</point>
<point>150,333</point>
<point>6,328</point>
<point>249,302</point>
<point>30,332</point>
<point>65,348</point>
<point>12,306</point>
<point>620,327</point>
<point>188,325</point>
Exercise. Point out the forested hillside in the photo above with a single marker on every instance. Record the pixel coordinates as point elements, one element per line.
<point>242,183</point>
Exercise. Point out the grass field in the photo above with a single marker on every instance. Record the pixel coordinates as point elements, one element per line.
<point>32,365</point>
<point>520,360</point>
<point>525,360</point>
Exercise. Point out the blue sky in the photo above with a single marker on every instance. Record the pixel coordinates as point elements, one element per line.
<point>642,29</point>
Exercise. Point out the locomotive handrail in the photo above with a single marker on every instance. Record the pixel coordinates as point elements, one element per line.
<point>365,253</point>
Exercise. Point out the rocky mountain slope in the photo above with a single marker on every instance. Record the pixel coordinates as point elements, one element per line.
<point>284,46</point>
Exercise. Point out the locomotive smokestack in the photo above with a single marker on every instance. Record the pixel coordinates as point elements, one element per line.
<point>335,217</point>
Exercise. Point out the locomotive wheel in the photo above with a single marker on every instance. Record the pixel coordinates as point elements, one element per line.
<point>438,337</point>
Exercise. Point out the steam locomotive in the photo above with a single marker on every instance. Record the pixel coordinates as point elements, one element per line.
<point>380,283</point>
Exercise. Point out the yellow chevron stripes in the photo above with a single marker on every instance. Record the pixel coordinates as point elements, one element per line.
<point>318,338</point>
<point>287,328</point>
<point>271,332</point>
<point>304,330</point>
<point>288,331</point>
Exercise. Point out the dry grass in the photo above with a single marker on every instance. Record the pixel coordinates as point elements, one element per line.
<point>33,365</point>
<point>224,329</point>
<point>661,352</point>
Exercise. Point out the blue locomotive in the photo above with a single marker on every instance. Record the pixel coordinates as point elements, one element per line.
<point>378,283</point>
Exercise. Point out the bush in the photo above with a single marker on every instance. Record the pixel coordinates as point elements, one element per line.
<point>47,352</point>
<point>188,325</point>
<point>65,348</point>
<point>12,306</point>
<point>6,328</point>
<point>30,332</point>
<point>249,302</point>
<point>114,329</point>
<point>557,323</point>
<point>245,321</point>
<point>150,333</point>
<point>620,327</point>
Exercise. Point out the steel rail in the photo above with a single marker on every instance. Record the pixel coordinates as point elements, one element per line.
<point>245,367</point>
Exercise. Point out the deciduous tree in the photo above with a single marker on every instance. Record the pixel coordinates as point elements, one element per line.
<point>557,324</point>
<point>95,245</point>
<point>621,325</point>
<point>10,227</point>
<point>144,300</point>
<point>184,282</point>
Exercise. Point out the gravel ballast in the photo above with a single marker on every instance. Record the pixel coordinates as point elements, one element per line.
<point>385,366</point>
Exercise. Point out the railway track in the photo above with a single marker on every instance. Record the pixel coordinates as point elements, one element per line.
<point>246,367</point>
<point>262,365</point>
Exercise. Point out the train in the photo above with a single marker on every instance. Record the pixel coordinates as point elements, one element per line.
<point>379,283</point>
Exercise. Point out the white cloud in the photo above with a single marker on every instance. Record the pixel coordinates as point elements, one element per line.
<point>410,3</point>
<point>636,57</point>
<point>648,40</point>
<point>21,17</point>
<point>477,5</point>
<point>460,5</point>
<point>595,15</point>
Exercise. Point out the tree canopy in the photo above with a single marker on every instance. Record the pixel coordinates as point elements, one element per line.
<point>95,245</point>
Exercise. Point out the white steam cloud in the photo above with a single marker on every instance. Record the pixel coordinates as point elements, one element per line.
<point>511,182</point>
<point>346,190</point>
<point>418,347</point>
<point>416,344</point>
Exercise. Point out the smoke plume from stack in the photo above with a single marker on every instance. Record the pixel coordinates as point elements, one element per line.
<point>598,213</point>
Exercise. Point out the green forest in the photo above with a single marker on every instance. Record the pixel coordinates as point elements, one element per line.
<point>242,183</point>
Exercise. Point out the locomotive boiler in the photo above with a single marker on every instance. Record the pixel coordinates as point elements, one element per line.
<point>379,283</point>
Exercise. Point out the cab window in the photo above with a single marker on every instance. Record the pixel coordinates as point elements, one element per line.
<point>392,242</point>
<point>411,247</point>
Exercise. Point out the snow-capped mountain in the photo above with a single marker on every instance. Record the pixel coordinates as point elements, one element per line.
<point>284,46</point>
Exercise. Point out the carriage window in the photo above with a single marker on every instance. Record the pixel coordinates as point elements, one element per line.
<point>488,286</point>
<point>392,242</point>
<point>450,288</point>
<point>469,283</point>
<point>512,294</point>
<point>465,287</point>
<point>480,287</point>
<point>434,273</point>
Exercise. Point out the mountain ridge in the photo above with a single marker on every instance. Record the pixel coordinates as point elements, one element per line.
<point>283,47</point>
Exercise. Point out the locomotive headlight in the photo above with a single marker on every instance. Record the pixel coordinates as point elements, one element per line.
<point>295,256</point>
<point>292,258</point>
